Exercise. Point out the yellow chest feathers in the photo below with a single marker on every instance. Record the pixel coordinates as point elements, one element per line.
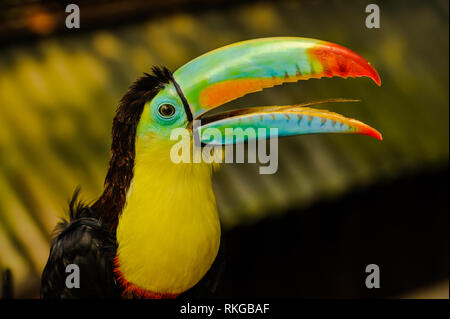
<point>169,231</point>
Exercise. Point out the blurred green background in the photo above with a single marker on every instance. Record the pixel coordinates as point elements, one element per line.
<point>59,89</point>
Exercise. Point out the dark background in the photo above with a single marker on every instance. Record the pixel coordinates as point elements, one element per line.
<point>322,252</point>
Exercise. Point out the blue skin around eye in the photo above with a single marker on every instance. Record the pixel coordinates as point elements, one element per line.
<point>153,122</point>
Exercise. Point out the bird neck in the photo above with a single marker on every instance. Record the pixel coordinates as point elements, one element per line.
<point>169,231</point>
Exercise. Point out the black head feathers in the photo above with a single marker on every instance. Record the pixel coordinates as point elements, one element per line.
<point>121,163</point>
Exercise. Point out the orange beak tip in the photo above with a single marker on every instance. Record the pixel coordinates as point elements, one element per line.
<point>380,137</point>
<point>373,74</point>
<point>377,79</point>
<point>374,133</point>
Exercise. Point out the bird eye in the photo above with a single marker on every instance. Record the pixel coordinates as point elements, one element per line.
<point>166,110</point>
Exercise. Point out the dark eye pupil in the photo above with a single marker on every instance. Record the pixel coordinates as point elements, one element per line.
<point>167,110</point>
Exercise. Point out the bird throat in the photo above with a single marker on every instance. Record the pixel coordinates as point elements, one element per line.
<point>169,231</point>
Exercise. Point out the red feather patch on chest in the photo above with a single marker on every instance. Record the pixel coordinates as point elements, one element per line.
<point>130,290</point>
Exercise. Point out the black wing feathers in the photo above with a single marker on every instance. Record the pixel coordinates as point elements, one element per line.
<point>83,241</point>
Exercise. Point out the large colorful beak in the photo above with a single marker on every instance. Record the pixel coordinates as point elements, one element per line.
<point>233,71</point>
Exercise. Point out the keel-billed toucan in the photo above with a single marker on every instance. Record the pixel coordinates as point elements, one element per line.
<point>155,230</point>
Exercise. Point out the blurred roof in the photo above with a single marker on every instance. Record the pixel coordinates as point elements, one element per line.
<point>28,19</point>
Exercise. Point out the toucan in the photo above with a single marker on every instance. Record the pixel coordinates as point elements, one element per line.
<point>155,230</point>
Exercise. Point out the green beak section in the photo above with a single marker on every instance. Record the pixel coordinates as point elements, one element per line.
<point>227,73</point>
